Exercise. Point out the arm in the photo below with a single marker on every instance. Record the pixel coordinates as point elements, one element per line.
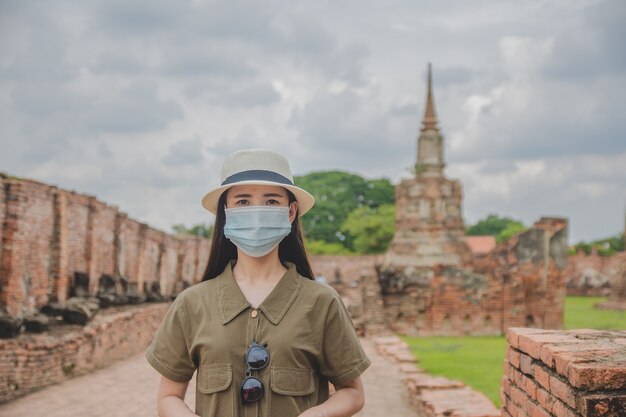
<point>170,399</point>
<point>347,400</point>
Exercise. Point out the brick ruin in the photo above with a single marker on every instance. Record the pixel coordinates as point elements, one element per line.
<point>617,296</point>
<point>578,373</point>
<point>57,246</point>
<point>33,361</point>
<point>56,243</point>
<point>429,223</point>
<point>433,283</point>
<point>595,275</point>
<point>592,275</point>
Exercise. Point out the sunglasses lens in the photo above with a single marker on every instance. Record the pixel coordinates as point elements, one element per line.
<point>251,390</point>
<point>257,357</point>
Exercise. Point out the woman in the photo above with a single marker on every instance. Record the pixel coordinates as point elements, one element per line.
<point>264,336</point>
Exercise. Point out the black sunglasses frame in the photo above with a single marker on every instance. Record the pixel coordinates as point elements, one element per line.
<point>250,368</point>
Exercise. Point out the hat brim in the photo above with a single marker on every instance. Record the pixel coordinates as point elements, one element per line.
<point>305,200</point>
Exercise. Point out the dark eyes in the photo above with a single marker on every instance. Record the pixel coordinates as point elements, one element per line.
<point>244,202</point>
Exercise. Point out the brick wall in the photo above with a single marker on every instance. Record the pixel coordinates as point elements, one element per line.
<point>169,264</point>
<point>78,239</point>
<point>429,225</point>
<point>591,275</point>
<point>519,283</point>
<point>102,232</point>
<point>49,234</point>
<point>564,374</point>
<point>27,240</point>
<point>128,236</point>
<point>151,257</point>
<point>30,362</point>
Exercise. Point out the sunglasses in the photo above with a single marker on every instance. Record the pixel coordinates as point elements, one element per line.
<point>257,357</point>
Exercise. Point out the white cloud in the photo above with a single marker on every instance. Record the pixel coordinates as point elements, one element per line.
<point>124,99</point>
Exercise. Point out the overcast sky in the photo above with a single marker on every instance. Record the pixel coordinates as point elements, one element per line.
<point>138,102</point>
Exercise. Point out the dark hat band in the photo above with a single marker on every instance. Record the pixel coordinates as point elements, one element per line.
<point>257,175</point>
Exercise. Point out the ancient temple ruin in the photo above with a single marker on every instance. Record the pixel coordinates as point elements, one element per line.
<point>432,283</point>
<point>429,223</point>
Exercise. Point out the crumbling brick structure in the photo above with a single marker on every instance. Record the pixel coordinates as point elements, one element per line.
<point>578,373</point>
<point>617,297</point>
<point>33,361</point>
<point>592,275</point>
<point>519,283</point>
<point>619,283</point>
<point>429,224</point>
<point>431,283</point>
<point>50,236</point>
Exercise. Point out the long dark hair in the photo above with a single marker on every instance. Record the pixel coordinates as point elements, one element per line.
<point>290,249</point>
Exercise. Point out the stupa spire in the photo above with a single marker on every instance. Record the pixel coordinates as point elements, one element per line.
<point>430,118</point>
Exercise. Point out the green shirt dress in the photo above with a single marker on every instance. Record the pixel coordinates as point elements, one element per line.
<point>308,331</point>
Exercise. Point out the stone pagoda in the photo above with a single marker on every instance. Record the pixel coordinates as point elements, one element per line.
<point>429,225</point>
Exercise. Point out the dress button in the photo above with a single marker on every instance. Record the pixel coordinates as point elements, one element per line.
<point>254,313</point>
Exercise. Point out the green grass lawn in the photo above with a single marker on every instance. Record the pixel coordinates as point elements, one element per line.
<point>478,360</point>
<point>580,314</point>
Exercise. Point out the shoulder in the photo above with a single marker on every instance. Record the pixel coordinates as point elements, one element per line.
<point>321,293</point>
<point>196,292</point>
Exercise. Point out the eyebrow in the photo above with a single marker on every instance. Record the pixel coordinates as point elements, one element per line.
<point>264,195</point>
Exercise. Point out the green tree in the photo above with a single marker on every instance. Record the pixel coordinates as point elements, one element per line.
<point>509,231</point>
<point>605,247</point>
<point>200,229</point>
<point>370,229</point>
<point>337,194</point>
<point>319,247</point>
<point>503,228</point>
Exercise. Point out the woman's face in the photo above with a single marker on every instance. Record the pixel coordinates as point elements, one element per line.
<point>260,195</point>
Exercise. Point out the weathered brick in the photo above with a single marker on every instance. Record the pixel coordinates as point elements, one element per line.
<point>593,384</point>
<point>518,396</point>
<point>50,235</point>
<point>560,355</point>
<point>513,355</point>
<point>529,386</point>
<point>526,364</point>
<point>532,343</point>
<point>43,360</point>
<point>536,411</point>
<point>542,377</point>
<point>562,391</point>
<point>607,374</point>
<point>545,399</point>
<point>560,409</point>
<point>602,405</point>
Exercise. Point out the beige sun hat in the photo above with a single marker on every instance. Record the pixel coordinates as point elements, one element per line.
<point>257,166</point>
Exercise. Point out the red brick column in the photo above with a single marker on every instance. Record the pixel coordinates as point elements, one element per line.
<point>25,260</point>
<point>578,373</point>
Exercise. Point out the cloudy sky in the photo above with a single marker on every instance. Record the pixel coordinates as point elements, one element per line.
<point>138,102</point>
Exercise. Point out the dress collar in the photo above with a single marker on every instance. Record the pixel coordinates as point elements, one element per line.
<point>232,301</point>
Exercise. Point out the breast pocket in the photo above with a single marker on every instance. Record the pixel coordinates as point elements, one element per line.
<point>291,389</point>
<point>214,385</point>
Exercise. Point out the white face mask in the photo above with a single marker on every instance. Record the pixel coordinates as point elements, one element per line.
<point>257,230</point>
